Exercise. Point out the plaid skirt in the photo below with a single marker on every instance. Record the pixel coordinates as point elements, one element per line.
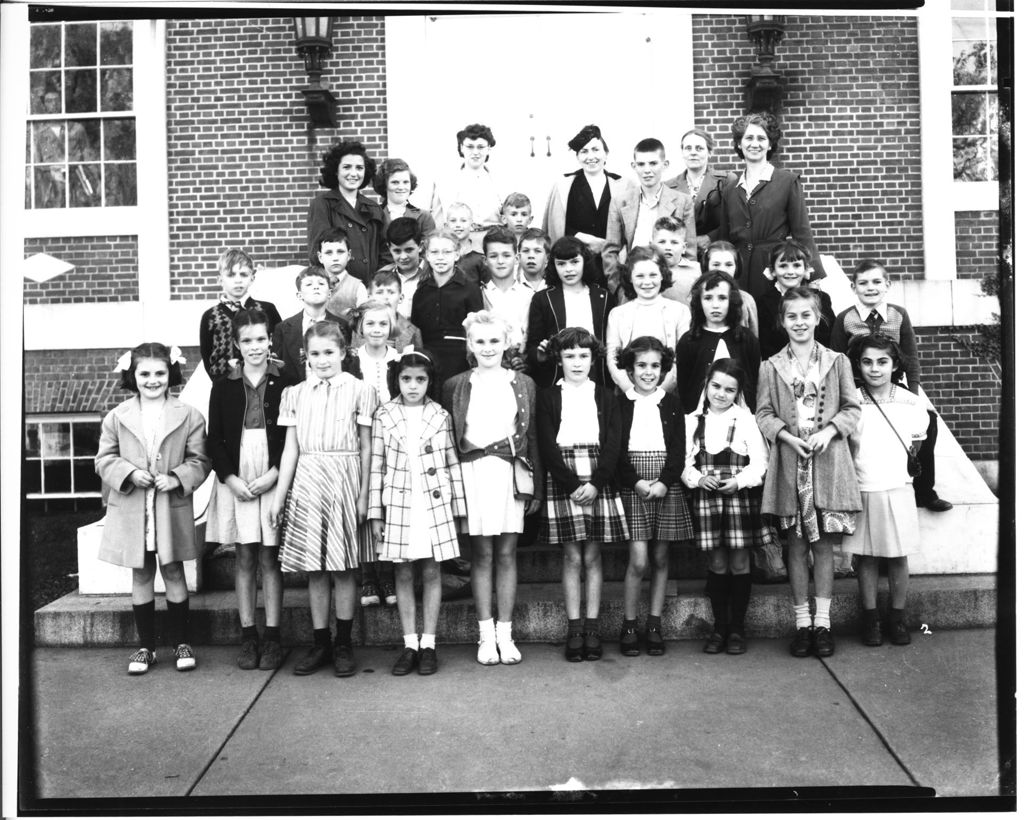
<point>661,519</point>
<point>731,521</point>
<point>563,521</point>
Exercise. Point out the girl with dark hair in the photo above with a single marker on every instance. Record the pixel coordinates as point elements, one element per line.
<point>764,205</point>
<point>789,265</point>
<point>416,496</point>
<point>715,333</point>
<point>580,429</point>
<point>893,421</point>
<point>151,456</point>
<point>725,460</point>
<point>347,169</point>
<point>650,464</point>
<point>572,299</point>
<point>245,446</point>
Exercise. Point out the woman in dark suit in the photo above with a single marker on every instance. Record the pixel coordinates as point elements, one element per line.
<point>347,169</point>
<point>704,183</point>
<point>568,272</point>
<point>764,205</point>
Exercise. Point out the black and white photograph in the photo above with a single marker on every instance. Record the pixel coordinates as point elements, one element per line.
<point>493,408</point>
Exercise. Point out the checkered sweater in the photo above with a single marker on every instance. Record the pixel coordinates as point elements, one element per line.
<point>896,326</point>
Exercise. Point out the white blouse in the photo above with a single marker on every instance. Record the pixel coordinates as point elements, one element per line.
<point>491,414</point>
<point>646,432</point>
<point>747,440</point>
<point>579,415</point>
<point>578,312</point>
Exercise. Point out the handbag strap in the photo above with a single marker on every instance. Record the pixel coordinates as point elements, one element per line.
<point>880,410</point>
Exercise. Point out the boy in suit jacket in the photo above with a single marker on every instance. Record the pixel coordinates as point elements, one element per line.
<point>632,214</point>
<point>313,286</point>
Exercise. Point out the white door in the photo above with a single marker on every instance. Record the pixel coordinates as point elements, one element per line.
<point>535,80</point>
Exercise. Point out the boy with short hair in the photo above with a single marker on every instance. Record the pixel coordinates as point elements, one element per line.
<point>386,285</point>
<point>216,334</point>
<point>459,220</point>
<point>534,247</point>
<point>405,244</point>
<point>503,293</point>
<point>333,253</point>
<point>313,289</point>
<point>873,313</point>
<point>632,214</point>
<point>517,214</point>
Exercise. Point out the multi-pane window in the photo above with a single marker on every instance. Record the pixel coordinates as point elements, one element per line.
<point>59,456</point>
<point>80,140</point>
<point>975,102</point>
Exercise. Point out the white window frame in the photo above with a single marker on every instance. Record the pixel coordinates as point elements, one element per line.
<point>38,420</point>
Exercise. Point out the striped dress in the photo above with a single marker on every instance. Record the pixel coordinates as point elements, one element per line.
<point>320,530</point>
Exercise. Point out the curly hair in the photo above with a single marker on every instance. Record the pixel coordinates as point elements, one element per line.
<point>475,131</point>
<point>568,247</point>
<point>150,350</point>
<point>388,168</point>
<point>765,120</point>
<point>645,253</point>
<point>625,359</point>
<point>875,341</point>
<point>332,159</point>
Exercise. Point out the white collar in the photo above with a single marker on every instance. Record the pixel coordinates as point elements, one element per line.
<point>588,386</point>
<point>334,381</point>
<point>653,398</point>
<point>864,311</point>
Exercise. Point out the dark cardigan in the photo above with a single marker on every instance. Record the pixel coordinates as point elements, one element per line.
<point>672,428</point>
<point>547,317</point>
<point>695,356</point>
<point>227,418</point>
<point>609,421</point>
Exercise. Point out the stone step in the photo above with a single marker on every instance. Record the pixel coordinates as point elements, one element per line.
<point>938,601</point>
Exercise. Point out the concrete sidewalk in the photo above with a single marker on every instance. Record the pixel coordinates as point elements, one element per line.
<point>924,715</point>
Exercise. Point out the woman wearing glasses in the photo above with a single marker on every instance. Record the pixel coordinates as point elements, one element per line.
<point>704,184</point>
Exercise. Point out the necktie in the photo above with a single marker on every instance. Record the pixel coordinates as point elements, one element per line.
<point>874,321</point>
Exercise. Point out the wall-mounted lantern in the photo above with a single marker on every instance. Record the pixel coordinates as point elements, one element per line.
<point>313,41</point>
<point>765,87</point>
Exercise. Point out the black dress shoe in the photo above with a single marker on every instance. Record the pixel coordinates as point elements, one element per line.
<point>629,642</point>
<point>735,644</point>
<point>871,632</point>
<point>406,662</point>
<point>937,505</point>
<point>344,662</point>
<point>715,644</point>
<point>592,650</point>
<point>574,646</point>
<point>317,656</point>
<point>800,647</point>
<point>428,661</point>
<point>653,640</point>
<point>824,643</point>
<point>898,633</point>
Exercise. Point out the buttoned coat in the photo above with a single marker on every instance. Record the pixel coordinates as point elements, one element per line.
<point>554,213</point>
<point>547,316</point>
<point>287,344</point>
<point>835,478</point>
<point>181,452</point>
<point>363,225</point>
<point>456,395</point>
<point>625,208</point>
<point>391,479</point>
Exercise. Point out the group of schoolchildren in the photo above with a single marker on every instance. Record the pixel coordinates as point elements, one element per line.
<point>624,398</point>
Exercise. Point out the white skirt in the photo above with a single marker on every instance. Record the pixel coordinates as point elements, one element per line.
<point>887,525</point>
<point>491,506</point>
<point>234,521</point>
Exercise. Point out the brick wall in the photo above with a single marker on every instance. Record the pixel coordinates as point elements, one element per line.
<point>977,243</point>
<point>964,389</point>
<point>240,169</point>
<point>52,385</point>
<point>850,120</point>
<point>106,270</point>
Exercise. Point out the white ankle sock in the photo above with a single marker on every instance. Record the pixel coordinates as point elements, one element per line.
<point>486,629</point>
<point>428,641</point>
<point>803,614</point>
<point>821,616</point>
<point>411,641</point>
<point>503,630</point>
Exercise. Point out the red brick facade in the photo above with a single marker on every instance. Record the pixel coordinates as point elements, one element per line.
<point>106,270</point>
<point>977,243</point>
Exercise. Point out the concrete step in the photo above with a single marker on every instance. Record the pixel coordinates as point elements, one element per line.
<point>938,601</point>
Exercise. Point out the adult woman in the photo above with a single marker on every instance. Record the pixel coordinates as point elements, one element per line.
<point>703,183</point>
<point>472,185</point>
<point>393,183</point>
<point>346,170</point>
<point>579,203</point>
<point>764,205</point>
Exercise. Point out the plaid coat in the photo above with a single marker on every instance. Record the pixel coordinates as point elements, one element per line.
<point>390,479</point>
